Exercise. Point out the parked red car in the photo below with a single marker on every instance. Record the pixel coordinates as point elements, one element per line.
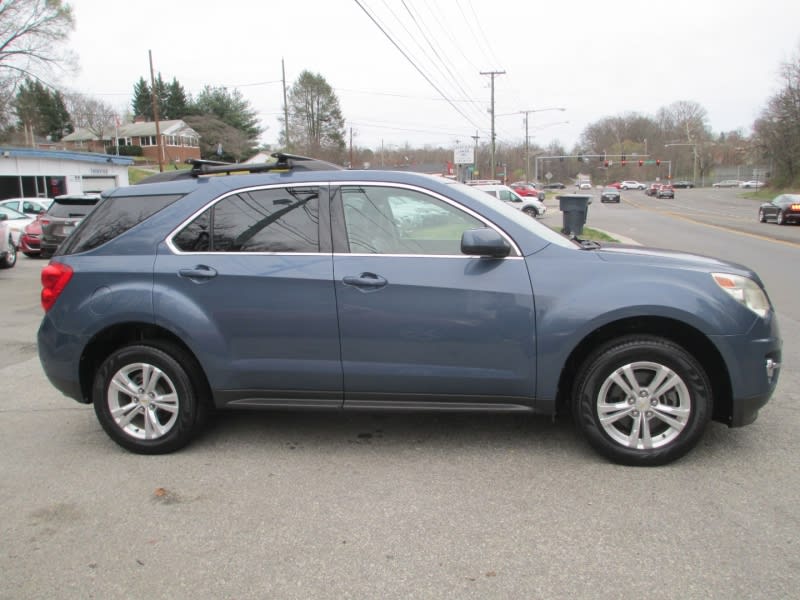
<point>527,189</point>
<point>614,184</point>
<point>30,240</point>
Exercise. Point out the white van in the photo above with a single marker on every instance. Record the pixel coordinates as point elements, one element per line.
<point>529,205</point>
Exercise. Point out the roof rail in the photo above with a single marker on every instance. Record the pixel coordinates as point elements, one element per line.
<point>282,162</point>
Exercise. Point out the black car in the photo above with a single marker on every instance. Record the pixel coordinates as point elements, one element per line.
<point>554,186</point>
<point>62,217</point>
<point>610,194</point>
<point>683,184</point>
<point>783,209</point>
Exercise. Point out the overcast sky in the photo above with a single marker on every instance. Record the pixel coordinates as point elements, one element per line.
<point>596,59</point>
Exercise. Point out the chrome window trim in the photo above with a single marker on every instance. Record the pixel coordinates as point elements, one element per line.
<point>515,251</point>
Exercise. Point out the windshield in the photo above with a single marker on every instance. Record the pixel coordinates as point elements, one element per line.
<point>517,216</point>
<point>11,214</point>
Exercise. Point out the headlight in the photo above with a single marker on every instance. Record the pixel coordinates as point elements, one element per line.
<point>745,291</point>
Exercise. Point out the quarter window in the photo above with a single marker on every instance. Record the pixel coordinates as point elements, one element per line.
<point>271,220</point>
<point>383,220</point>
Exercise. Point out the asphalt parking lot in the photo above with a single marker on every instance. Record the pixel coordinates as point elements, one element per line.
<point>328,505</point>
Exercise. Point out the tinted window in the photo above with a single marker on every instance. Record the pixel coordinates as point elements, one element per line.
<point>71,208</point>
<point>272,220</point>
<point>112,217</point>
<point>398,221</point>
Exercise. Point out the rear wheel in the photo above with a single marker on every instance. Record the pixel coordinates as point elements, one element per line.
<point>10,258</point>
<point>145,400</point>
<point>762,218</point>
<point>642,400</point>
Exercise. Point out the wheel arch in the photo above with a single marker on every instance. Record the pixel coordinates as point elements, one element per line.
<point>112,338</point>
<point>692,340</point>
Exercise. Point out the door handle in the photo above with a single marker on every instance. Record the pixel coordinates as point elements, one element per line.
<point>365,280</point>
<point>198,272</point>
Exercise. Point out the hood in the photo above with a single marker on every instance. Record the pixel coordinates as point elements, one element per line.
<point>658,257</point>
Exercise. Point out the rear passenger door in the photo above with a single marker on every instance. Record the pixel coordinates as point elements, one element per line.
<point>248,281</point>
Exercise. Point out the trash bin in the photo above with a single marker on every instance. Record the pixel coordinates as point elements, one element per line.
<point>573,208</point>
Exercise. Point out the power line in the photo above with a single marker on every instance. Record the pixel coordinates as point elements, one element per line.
<point>412,63</point>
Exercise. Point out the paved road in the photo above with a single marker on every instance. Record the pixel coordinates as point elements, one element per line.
<point>279,505</point>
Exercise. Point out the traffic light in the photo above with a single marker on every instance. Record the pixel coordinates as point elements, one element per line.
<point>658,162</point>
<point>641,162</point>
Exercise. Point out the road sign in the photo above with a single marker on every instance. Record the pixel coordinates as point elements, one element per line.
<point>548,176</point>
<point>464,155</point>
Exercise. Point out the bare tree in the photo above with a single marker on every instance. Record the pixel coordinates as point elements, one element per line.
<point>777,131</point>
<point>91,114</point>
<point>32,33</point>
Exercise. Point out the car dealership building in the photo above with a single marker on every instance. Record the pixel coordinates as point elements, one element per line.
<point>32,173</point>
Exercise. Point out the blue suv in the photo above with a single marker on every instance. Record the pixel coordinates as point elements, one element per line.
<point>296,284</point>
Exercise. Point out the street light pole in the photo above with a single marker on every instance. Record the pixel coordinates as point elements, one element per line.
<point>527,145</point>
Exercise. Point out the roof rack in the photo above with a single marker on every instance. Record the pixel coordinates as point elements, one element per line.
<point>282,162</point>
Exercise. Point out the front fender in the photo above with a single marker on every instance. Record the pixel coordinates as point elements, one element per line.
<point>576,294</point>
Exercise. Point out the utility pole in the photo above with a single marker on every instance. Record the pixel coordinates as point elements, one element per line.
<point>154,99</point>
<point>491,111</point>
<point>475,137</point>
<point>285,109</point>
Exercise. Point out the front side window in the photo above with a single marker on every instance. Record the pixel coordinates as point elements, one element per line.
<point>270,220</point>
<point>386,220</point>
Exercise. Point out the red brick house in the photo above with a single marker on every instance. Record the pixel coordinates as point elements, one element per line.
<point>179,140</point>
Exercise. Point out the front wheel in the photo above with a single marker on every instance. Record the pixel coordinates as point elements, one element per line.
<point>642,400</point>
<point>530,211</point>
<point>762,217</point>
<point>779,218</point>
<point>145,400</point>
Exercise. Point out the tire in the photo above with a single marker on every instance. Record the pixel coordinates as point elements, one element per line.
<point>530,211</point>
<point>153,380</point>
<point>779,218</point>
<point>673,420</point>
<point>10,257</point>
<point>31,254</point>
<point>762,218</point>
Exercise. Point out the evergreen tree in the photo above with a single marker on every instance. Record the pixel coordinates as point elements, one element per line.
<point>41,112</point>
<point>229,107</point>
<point>176,105</point>
<point>142,103</point>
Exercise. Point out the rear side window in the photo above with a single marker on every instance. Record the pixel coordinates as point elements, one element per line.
<point>113,217</point>
<point>270,220</point>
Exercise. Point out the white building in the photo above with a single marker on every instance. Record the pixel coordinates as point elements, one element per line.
<point>31,173</point>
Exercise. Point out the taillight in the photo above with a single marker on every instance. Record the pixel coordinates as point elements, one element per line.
<point>55,278</point>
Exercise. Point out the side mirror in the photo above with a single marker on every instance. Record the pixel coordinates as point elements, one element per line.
<point>484,242</point>
<point>3,216</point>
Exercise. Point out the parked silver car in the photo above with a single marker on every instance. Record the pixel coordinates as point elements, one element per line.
<point>8,251</point>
